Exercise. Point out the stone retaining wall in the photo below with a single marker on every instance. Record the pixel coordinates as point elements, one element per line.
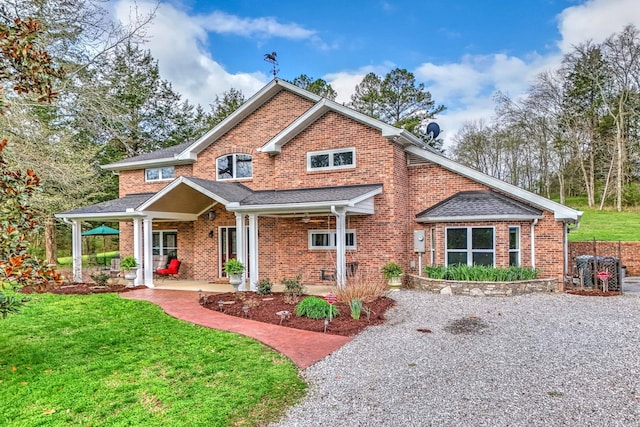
<point>481,289</point>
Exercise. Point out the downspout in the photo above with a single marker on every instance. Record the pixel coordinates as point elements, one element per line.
<point>533,242</point>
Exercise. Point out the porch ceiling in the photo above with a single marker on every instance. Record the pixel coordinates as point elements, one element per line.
<point>181,199</point>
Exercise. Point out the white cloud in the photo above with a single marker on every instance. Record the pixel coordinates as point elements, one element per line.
<point>596,20</point>
<point>177,40</point>
<point>220,22</point>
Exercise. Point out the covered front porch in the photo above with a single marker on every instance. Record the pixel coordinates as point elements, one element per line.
<point>195,201</point>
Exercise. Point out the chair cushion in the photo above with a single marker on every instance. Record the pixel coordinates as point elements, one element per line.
<point>173,267</point>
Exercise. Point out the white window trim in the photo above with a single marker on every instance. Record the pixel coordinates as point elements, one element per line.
<point>469,251</point>
<point>332,239</point>
<point>235,168</point>
<point>160,233</point>
<point>159,174</point>
<point>517,250</point>
<point>331,153</point>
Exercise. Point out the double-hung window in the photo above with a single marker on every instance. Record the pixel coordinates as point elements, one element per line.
<point>326,239</point>
<point>470,245</point>
<point>159,174</point>
<point>234,166</point>
<point>342,158</point>
<point>514,246</point>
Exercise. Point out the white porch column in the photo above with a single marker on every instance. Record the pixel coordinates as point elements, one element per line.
<point>341,266</point>
<point>76,250</point>
<point>240,249</point>
<point>253,251</point>
<point>148,253</point>
<point>137,246</point>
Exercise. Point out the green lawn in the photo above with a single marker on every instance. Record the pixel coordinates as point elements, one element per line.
<point>99,257</point>
<point>105,361</point>
<point>605,225</point>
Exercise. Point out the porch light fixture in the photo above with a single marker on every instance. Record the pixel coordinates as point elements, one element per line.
<point>211,215</point>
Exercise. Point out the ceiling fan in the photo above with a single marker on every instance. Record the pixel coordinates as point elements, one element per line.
<point>307,219</point>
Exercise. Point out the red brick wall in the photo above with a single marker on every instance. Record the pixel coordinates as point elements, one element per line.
<point>628,252</point>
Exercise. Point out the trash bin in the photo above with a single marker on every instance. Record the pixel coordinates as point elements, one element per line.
<point>588,266</point>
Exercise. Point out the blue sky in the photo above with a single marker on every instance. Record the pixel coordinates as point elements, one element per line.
<point>464,51</point>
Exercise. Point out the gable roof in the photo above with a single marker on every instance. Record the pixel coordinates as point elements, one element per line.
<point>483,205</point>
<point>188,152</point>
<point>561,212</point>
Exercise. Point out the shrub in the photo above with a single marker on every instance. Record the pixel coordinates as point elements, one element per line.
<point>101,279</point>
<point>264,287</point>
<point>481,273</point>
<point>315,308</point>
<point>293,287</point>
<point>365,285</point>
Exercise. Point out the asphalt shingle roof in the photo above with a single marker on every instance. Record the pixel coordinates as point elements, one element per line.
<point>130,201</point>
<point>308,195</point>
<point>484,203</point>
<point>165,153</point>
<point>230,191</point>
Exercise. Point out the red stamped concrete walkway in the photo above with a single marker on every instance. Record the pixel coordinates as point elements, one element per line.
<point>303,347</point>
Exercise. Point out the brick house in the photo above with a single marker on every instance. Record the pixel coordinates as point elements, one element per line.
<point>292,183</point>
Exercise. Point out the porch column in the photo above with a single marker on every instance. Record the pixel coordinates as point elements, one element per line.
<point>341,276</point>
<point>253,251</point>
<point>137,246</point>
<point>76,250</point>
<point>148,253</point>
<point>240,249</point>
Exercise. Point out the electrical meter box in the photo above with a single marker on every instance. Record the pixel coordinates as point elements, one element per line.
<point>419,241</point>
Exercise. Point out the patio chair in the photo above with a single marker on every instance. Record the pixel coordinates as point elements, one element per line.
<point>171,270</point>
<point>159,262</point>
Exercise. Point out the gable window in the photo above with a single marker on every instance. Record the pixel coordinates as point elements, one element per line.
<point>159,174</point>
<point>326,239</point>
<point>470,245</point>
<point>331,159</point>
<point>234,166</point>
<point>514,246</point>
<point>165,243</point>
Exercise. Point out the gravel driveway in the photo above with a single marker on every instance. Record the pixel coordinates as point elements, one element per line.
<point>533,360</point>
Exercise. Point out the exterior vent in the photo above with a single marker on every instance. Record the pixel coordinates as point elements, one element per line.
<point>414,160</point>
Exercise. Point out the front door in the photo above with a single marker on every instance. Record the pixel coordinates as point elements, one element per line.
<point>228,248</point>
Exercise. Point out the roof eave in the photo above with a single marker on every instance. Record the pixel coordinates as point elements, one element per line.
<point>478,218</point>
<point>169,161</point>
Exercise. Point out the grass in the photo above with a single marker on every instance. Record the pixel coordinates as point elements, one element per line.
<point>100,257</point>
<point>606,225</point>
<point>103,360</point>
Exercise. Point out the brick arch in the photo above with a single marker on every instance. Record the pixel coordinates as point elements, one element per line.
<point>233,150</point>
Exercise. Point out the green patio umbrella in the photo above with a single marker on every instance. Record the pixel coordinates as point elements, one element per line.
<point>103,230</point>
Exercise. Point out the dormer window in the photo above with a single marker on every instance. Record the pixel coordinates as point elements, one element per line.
<point>159,174</point>
<point>342,158</point>
<point>234,166</point>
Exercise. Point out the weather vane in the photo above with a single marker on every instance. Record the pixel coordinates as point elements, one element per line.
<point>272,58</point>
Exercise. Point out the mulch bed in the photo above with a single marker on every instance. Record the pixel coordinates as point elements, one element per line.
<point>78,289</point>
<point>263,308</point>
<point>593,292</point>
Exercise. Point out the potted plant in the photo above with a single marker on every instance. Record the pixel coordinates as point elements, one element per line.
<point>392,272</point>
<point>129,266</point>
<point>234,270</point>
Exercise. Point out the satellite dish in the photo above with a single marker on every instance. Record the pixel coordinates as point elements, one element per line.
<point>433,129</point>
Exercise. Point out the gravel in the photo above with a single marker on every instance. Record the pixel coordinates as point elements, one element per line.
<point>532,360</point>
